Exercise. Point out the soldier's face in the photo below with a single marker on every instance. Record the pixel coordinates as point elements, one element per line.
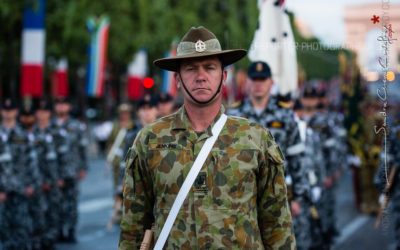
<point>62,109</point>
<point>260,87</point>
<point>147,114</point>
<point>27,121</point>
<point>9,115</point>
<point>125,115</point>
<point>43,115</point>
<point>201,77</point>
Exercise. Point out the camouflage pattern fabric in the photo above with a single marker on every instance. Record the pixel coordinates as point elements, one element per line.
<point>19,162</point>
<point>71,144</point>
<point>280,122</point>
<point>46,148</point>
<point>392,159</point>
<point>238,200</point>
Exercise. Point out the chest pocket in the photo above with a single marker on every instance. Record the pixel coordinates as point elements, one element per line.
<point>233,178</point>
<point>169,164</point>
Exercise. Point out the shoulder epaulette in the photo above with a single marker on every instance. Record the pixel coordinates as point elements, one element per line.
<point>235,104</point>
<point>284,104</point>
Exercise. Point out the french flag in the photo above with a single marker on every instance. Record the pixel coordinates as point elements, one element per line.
<point>98,56</point>
<point>33,49</point>
<point>137,70</point>
<point>168,81</point>
<point>60,79</point>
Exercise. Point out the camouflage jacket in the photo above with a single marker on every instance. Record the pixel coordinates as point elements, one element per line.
<point>47,154</point>
<point>119,154</point>
<point>238,200</point>
<point>389,160</point>
<point>71,145</point>
<point>18,161</point>
<point>323,125</point>
<point>280,121</point>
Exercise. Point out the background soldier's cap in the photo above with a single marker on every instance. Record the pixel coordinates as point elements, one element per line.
<point>124,107</point>
<point>321,93</point>
<point>43,104</point>
<point>199,42</point>
<point>9,104</point>
<point>147,100</point>
<point>62,99</point>
<point>259,69</point>
<point>27,110</point>
<point>164,97</point>
<point>309,92</point>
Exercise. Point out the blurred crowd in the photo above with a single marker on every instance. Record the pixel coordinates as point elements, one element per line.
<point>42,158</point>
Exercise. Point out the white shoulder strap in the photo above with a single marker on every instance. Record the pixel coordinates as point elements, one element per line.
<point>187,184</point>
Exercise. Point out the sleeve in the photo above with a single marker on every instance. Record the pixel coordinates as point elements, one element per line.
<point>137,213</point>
<point>83,143</point>
<point>275,220</point>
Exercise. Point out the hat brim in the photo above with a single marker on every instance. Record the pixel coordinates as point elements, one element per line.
<point>227,57</point>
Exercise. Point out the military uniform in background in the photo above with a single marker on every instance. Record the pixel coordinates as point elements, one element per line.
<point>320,123</point>
<point>19,160</point>
<point>70,143</point>
<point>383,177</point>
<point>46,148</point>
<point>239,197</point>
<point>36,203</point>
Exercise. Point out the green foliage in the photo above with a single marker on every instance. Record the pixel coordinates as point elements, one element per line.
<point>153,24</point>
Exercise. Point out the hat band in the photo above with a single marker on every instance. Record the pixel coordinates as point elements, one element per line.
<point>190,48</point>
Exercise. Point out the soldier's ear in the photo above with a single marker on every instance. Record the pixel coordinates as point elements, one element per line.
<point>177,80</point>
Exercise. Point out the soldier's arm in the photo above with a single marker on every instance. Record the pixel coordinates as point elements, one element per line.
<point>275,221</point>
<point>137,214</point>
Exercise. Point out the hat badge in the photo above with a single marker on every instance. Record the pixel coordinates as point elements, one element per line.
<point>200,46</point>
<point>259,67</point>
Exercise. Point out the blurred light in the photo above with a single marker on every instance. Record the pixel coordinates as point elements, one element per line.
<point>390,76</point>
<point>372,76</point>
<point>148,82</point>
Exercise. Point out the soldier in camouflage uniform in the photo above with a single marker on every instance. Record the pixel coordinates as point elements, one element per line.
<point>71,147</point>
<point>323,126</point>
<point>37,204</point>
<point>238,200</point>
<point>46,148</point>
<point>19,163</point>
<point>126,124</point>
<point>165,104</point>
<point>313,160</point>
<point>279,119</point>
<point>390,188</point>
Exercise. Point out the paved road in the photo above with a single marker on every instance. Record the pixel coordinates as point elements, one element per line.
<point>357,231</point>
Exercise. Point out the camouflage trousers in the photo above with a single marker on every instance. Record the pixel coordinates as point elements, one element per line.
<point>69,205</point>
<point>301,226</point>
<point>326,209</point>
<point>37,206</point>
<point>3,229</point>
<point>52,215</point>
<point>18,222</point>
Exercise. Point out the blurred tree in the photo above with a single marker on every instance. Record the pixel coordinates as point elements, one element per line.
<point>153,24</point>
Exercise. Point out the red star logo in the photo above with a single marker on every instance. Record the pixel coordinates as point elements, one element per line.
<point>375,19</point>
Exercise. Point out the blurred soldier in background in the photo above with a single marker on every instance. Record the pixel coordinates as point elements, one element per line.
<point>46,148</point>
<point>165,104</point>
<point>388,177</point>
<point>19,163</point>
<point>70,143</point>
<point>322,125</point>
<point>313,161</point>
<point>36,202</point>
<point>116,140</point>
<point>279,119</point>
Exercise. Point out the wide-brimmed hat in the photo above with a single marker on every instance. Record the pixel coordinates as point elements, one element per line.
<point>199,42</point>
